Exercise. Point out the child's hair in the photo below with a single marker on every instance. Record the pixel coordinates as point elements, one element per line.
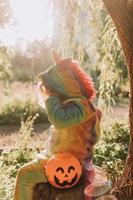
<point>84,79</point>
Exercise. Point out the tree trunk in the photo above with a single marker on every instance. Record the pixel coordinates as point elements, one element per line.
<point>48,192</point>
<point>45,191</point>
<point>121,12</point>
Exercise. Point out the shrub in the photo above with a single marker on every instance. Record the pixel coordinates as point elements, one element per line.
<point>112,149</point>
<point>10,162</point>
<point>15,111</point>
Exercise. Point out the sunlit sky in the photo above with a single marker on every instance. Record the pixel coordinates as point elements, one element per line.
<point>32,19</point>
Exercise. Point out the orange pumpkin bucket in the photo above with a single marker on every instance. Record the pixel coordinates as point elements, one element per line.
<point>63,170</point>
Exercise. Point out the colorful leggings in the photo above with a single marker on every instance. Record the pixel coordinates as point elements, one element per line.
<point>28,176</point>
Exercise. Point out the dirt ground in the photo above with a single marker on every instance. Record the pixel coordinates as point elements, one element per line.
<point>10,136</point>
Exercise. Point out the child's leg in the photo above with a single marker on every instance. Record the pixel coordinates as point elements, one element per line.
<point>28,176</point>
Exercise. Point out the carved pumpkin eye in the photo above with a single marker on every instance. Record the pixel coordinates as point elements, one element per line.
<point>60,169</point>
<point>63,170</point>
<point>71,168</point>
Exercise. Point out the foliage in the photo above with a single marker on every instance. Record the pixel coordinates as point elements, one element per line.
<point>111,63</point>
<point>111,151</point>
<point>71,32</point>
<point>6,73</point>
<point>5,12</point>
<point>10,162</point>
<point>15,111</point>
<point>86,32</point>
<point>35,59</point>
<point>19,101</point>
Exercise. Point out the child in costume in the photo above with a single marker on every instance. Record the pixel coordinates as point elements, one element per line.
<point>66,92</point>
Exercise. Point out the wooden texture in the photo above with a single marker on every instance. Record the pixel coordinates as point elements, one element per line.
<point>44,191</point>
<point>47,192</point>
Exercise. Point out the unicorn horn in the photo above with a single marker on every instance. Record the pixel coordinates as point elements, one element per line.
<point>56,57</point>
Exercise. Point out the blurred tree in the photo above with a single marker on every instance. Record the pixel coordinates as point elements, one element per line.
<point>21,66</point>
<point>5,12</point>
<point>86,32</point>
<point>34,59</point>
<point>121,12</point>
<point>5,66</point>
<point>111,63</point>
<point>69,35</point>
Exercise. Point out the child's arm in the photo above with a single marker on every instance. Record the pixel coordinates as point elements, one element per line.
<point>71,113</point>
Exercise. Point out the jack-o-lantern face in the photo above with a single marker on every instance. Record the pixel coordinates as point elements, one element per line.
<point>63,170</point>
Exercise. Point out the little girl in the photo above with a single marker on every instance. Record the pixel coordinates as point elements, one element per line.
<point>66,92</point>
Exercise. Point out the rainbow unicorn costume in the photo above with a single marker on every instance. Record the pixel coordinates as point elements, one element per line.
<point>75,122</point>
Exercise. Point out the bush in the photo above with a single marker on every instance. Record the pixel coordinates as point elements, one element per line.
<point>10,162</point>
<point>15,111</point>
<point>112,149</point>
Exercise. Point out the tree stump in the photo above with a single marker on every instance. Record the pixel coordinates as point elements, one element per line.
<point>45,191</point>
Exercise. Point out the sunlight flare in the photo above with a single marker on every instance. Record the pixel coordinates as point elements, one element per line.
<point>32,19</point>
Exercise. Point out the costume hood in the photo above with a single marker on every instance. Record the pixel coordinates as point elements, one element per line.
<point>62,79</point>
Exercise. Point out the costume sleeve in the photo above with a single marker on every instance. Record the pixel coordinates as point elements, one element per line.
<point>68,113</point>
